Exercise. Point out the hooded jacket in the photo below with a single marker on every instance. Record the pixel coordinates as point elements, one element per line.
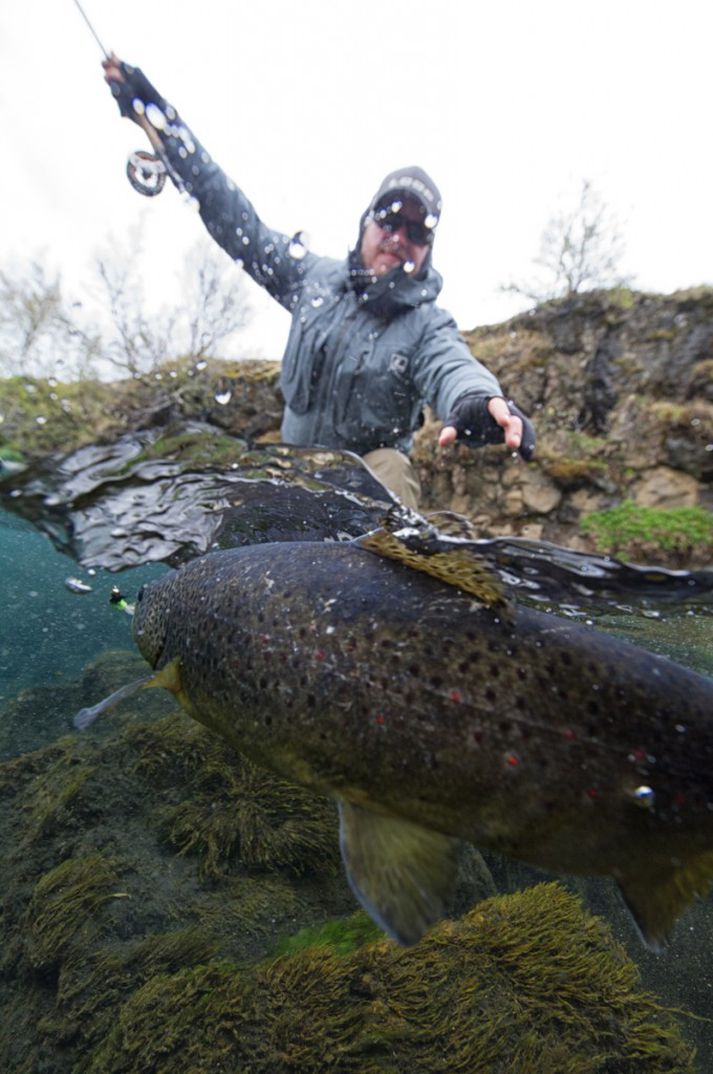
<point>362,357</point>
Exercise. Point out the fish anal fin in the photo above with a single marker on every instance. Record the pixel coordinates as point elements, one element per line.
<point>460,567</point>
<point>657,901</point>
<point>401,873</point>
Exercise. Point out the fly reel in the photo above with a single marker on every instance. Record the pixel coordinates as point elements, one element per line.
<point>146,172</point>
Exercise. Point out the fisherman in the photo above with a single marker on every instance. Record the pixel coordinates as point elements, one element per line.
<point>368,346</point>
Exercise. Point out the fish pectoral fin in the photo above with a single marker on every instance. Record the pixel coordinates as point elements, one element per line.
<point>657,901</point>
<point>401,873</point>
<point>169,678</point>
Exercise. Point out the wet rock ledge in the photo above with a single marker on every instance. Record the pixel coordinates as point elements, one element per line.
<point>619,384</point>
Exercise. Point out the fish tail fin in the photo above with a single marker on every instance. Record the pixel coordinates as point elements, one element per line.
<point>657,901</point>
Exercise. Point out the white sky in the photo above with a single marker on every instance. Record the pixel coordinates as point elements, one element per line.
<point>509,104</point>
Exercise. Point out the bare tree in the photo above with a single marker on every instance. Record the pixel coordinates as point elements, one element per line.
<point>39,330</point>
<point>212,308</point>
<point>43,333</point>
<point>580,250</point>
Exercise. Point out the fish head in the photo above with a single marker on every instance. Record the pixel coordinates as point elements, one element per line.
<point>151,617</point>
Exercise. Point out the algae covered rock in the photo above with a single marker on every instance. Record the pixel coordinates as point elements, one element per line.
<point>150,879</point>
<point>525,982</point>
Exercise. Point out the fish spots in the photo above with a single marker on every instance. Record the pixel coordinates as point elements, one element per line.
<point>319,655</point>
<point>455,696</point>
<point>512,760</point>
<point>569,734</point>
<point>380,719</point>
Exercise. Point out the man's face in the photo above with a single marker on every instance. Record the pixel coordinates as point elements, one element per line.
<point>386,243</point>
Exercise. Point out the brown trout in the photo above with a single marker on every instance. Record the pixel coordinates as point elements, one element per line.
<point>433,711</point>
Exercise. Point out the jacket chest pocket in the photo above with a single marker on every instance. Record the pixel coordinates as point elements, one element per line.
<point>390,389</point>
<point>380,396</point>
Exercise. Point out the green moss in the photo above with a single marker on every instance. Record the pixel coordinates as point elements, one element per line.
<point>574,471</point>
<point>341,936</point>
<point>621,297</point>
<point>627,528</point>
<point>664,335</point>
<point>237,811</point>
<point>527,982</point>
<point>231,813</point>
<point>670,413</point>
<point>62,909</point>
<point>195,449</point>
<point>58,798</point>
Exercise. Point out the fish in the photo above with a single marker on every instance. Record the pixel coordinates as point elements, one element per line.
<point>394,674</point>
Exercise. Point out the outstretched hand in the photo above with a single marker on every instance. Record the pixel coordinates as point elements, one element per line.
<point>500,412</point>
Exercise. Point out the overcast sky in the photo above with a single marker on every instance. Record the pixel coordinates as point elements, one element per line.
<point>306,104</point>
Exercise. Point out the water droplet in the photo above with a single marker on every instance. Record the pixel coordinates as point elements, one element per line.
<point>409,266</point>
<point>644,796</point>
<point>138,106</point>
<point>317,301</point>
<point>223,397</point>
<point>298,245</point>
<point>52,381</point>
<point>202,364</point>
<point>41,420</point>
<point>246,240</point>
<point>430,221</point>
<point>155,116</point>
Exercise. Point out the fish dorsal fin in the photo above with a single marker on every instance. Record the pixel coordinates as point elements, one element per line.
<point>656,902</point>
<point>401,873</point>
<point>452,525</point>
<point>413,541</point>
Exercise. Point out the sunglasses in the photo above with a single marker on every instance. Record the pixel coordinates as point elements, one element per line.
<point>390,221</point>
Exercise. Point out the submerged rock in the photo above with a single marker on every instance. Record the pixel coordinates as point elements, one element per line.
<point>151,876</point>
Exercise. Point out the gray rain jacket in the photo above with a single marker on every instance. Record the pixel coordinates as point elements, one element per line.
<point>360,362</point>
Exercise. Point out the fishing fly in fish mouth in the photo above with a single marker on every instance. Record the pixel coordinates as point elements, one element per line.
<point>392,674</point>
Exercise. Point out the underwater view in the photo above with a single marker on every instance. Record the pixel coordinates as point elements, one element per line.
<point>172,904</point>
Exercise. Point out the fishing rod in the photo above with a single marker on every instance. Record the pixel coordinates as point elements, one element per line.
<point>145,171</point>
